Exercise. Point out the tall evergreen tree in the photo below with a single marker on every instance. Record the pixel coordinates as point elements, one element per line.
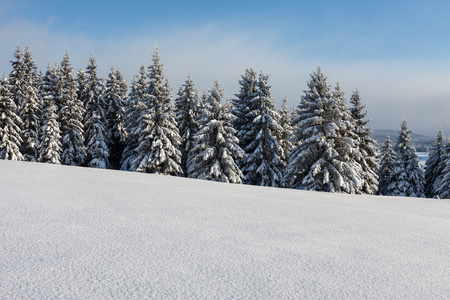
<point>347,145</point>
<point>30,110</point>
<point>263,164</point>
<point>17,78</point>
<point>407,176</point>
<point>10,123</point>
<point>50,148</point>
<point>96,138</point>
<point>114,99</point>
<point>442,184</point>
<point>323,159</point>
<point>135,105</point>
<point>387,160</point>
<point>159,139</point>
<point>435,164</point>
<point>71,117</point>
<point>367,145</point>
<point>216,148</point>
<point>187,115</point>
<point>242,106</point>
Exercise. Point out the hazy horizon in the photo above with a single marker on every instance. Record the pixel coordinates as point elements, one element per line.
<point>393,53</point>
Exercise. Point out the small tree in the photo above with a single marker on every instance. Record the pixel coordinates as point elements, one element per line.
<point>10,123</point>
<point>435,165</point>
<point>216,148</point>
<point>407,175</point>
<point>387,160</point>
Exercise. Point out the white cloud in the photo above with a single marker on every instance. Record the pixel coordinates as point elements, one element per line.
<point>417,91</point>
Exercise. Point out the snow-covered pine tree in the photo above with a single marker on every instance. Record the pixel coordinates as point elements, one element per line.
<point>10,123</point>
<point>367,145</point>
<point>96,139</point>
<point>187,116</point>
<point>347,144</point>
<point>159,139</point>
<point>242,106</point>
<point>135,105</point>
<point>216,148</point>
<point>435,165</point>
<point>16,78</point>
<point>323,160</point>
<point>30,109</point>
<point>443,181</point>
<point>263,165</point>
<point>407,175</point>
<point>70,116</point>
<point>50,148</point>
<point>286,131</point>
<point>387,161</point>
<point>114,99</point>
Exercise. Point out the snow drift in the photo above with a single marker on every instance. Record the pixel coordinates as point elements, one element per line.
<point>79,233</point>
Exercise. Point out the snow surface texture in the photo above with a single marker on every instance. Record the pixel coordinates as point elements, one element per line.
<point>80,233</point>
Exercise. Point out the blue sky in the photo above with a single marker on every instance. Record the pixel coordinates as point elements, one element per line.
<point>395,52</point>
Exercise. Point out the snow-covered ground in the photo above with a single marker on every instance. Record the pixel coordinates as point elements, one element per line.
<point>79,233</point>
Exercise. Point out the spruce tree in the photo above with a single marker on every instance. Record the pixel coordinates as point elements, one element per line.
<point>70,116</point>
<point>435,164</point>
<point>10,123</point>
<point>442,184</point>
<point>96,139</point>
<point>30,109</point>
<point>347,144</point>
<point>242,105</point>
<point>187,116</point>
<point>135,105</point>
<point>17,77</point>
<point>323,159</point>
<point>387,160</point>
<point>114,99</point>
<point>407,175</point>
<point>159,139</point>
<point>367,145</point>
<point>50,149</point>
<point>216,148</point>
<point>438,168</point>
<point>263,164</point>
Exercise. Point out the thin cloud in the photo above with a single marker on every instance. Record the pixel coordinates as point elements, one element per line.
<point>417,90</point>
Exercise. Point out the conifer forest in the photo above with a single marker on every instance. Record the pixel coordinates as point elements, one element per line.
<point>77,118</point>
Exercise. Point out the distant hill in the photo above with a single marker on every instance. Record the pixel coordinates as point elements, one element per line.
<point>422,143</point>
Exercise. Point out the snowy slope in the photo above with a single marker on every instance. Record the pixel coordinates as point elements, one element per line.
<point>79,233</point>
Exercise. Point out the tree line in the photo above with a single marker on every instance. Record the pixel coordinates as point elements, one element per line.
<point>80,119</point>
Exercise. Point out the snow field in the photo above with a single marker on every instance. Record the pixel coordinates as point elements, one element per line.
<point>82,233</point>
